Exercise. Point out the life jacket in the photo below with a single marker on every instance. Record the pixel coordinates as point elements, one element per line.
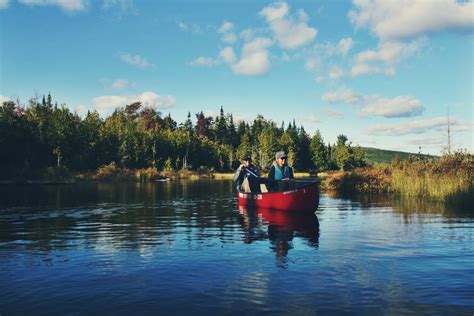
<point>281,175</point>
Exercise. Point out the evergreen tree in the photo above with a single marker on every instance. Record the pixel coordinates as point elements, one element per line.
<point>221,128</point>
<point>233,136</point>
<point>267,146</point>
<point>244,147</point>
<point>318,152</point>
<point>304,141</point>
<point>188,125</point>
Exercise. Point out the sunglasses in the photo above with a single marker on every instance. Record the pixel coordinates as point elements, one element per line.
<point>283,158</point>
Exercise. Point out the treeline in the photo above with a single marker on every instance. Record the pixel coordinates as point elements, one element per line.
<point>44,135</point>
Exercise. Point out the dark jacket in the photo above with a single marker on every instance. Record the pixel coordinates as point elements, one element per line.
<point>243,173</point>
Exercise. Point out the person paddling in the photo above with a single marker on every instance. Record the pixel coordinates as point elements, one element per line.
<point>247,176</point>
<point>279,170</point>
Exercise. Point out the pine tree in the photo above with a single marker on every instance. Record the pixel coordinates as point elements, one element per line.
<point>188,125</point>
<point>233,137</point>
<point>221,128</point>
<point>318,152</point>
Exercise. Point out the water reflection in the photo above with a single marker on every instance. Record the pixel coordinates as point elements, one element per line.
<point>280,227</point>
<point>410,206</point>
<point>184,248</point>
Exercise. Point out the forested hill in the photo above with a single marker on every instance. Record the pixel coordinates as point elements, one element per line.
<point>375,155</point>
<point>42,135</point>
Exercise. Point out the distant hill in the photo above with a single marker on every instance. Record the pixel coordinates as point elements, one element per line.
<point>375,155</point>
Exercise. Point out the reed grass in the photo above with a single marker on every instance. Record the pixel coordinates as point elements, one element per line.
<point>449,179</point>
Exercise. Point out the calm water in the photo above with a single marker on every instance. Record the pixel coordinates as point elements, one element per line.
<point>185,248</point>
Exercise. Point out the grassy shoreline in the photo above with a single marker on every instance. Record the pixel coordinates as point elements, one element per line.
<point>449,179</point>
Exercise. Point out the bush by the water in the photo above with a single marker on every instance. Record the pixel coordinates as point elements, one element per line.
<point>449,178</point>
<point>364,180</point>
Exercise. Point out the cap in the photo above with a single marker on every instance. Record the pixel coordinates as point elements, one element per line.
<point>247,157</point>
<point>280,154</point>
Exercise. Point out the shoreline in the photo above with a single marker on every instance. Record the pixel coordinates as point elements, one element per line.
<point>358,181</point>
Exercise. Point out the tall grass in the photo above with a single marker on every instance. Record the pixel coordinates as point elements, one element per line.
<point>449,178</point>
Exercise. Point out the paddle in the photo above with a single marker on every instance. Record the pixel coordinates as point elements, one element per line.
<point>253,174</point>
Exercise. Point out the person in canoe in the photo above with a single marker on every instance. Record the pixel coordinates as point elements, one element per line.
<point>247,176</point>
<point>280,170</point>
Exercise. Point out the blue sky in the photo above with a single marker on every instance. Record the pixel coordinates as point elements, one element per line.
<point>382,72</point>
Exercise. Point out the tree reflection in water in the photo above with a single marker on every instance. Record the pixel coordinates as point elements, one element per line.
<point>280,227</point>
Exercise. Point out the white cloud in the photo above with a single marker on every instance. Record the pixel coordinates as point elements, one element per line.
<point>3,4</point>
<point>193,28</point>
<point>418,127</point>
<point>385,58</point>
<point>119,7</point>
<point>254,59</point>
<point>400,106</point>
<point>81,109</point>
<point>313,63</point>
<point>123,5</point>
<point>323,59</point>
<point>247,34</point>
<point>390,52</point>
<point>363,69</point>
<point>345,95</point>
<point>411,18</point>
<point>106,104</point>
<point>336,73</point>
<point>377,105</point>
<point>3,99</point>
<point>430,140</point>
<point>204,61</point>
<point>135,60</point>
<point>183,26</point>
<point>229,38</point>
<point>341,48</point>
<point>333,113</point>
<point>67,5</point>
<point>344,46</point>
<point>226,27</point>
<point>227,55</point>
<point>119,84</point>
<point>312,118</point>
<point>291,32</point>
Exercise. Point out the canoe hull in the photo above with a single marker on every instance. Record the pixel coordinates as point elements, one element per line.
<point>303,199</point>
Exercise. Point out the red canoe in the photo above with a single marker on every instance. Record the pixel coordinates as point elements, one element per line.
<point>302,197</point>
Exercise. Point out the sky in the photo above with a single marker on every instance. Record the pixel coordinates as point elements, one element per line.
<point>386,73</point>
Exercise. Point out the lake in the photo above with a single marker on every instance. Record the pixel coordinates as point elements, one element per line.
<point>184,247</point>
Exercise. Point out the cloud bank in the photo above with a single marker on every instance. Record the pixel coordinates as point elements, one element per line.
<point>66,5</point>
<point>418,127</point>
<point>394,20</point>
<point>291,32</point>
<point>135,60</point>
<point>106,104</point>
<point>377,105</point>
<point>255,59</point>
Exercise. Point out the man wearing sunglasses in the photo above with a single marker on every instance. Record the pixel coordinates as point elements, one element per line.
<point>279,171</point>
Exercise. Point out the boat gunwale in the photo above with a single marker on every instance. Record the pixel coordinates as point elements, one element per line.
<point>309,183</point>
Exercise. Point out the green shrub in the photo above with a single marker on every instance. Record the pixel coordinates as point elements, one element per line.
<point>448,178</point>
